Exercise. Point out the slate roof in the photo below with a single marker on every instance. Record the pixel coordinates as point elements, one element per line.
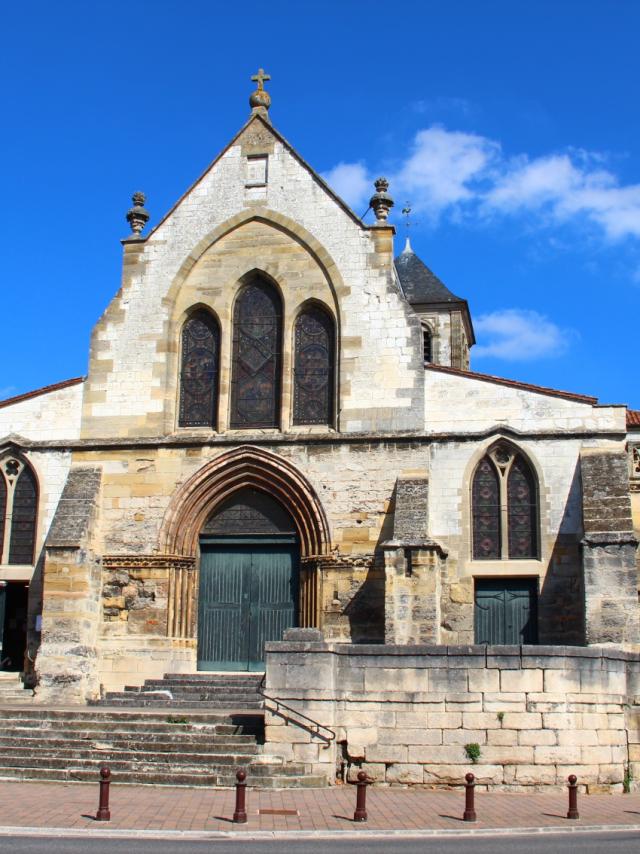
<point>419,283</point>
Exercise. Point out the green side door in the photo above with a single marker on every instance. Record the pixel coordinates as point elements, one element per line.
<point>506,611</point>
<point>248,595</point>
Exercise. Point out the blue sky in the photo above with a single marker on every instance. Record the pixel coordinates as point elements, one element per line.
<point>511,127</point>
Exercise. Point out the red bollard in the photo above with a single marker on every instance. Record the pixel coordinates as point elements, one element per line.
<point>240,815</point>
<point>469,798</point>
<point>573,797</point>
<point>104,813</point>
<point>361,798</point>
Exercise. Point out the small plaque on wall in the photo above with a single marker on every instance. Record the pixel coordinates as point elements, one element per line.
<point>257,171</point>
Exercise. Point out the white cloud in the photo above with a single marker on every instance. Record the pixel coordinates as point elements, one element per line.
<point>455,174</point>
<point>519,335</point>
<point>351,182</point>
<point>443,168</point>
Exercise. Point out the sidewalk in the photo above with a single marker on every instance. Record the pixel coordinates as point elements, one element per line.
<point>71,807</point>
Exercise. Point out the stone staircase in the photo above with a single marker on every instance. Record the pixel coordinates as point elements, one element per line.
<point>208,728</point>
<point>229,691</point>
<point>12,690</point>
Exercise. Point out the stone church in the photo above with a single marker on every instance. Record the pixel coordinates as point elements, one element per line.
<point>279,428</point>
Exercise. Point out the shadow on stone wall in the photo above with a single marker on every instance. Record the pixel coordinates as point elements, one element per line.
<point>561,617</point>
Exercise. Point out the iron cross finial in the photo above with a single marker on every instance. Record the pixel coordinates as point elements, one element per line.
<point>260,78</point>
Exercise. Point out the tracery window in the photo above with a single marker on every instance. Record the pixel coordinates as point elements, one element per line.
<point>504,507</point>
<point>313,367</point>
<point>257,357</point>
<point>18,511</point>
<point>427,345</point>
<point>200,356</point>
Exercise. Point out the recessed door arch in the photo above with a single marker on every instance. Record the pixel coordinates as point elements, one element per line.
<point>248,580</point>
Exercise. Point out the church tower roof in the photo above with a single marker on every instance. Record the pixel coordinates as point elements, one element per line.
<point>419,284</point>
<point>421,287</point>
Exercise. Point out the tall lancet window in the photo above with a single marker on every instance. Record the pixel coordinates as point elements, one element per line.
<point>257,357</point>
<point>18,511</point>
<point>504,499</point>
<point>200,356</point>
<point>313,367</point>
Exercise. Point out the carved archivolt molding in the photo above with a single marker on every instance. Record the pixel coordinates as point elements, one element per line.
<point>195,501</point>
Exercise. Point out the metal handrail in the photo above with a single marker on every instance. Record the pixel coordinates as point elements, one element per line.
<point>307,723</point>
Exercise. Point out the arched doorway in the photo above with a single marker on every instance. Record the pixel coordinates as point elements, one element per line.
<point>248,580</point>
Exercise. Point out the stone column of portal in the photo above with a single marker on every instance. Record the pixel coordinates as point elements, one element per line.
<point>413,564</point>
<point>608,551</point>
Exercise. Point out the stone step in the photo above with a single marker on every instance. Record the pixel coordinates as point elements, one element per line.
<point>151,701</point>
<point>192,690</point>
<point>264,766</point>
<point>19,754</point>
<point>168,723</point>
<point>128,717</point>
<point>222,676</point>
<point>140,778</point>
<point>96,742</point>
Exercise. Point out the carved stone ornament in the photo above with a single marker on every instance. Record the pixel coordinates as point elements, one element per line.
<point>381,202</point>
<point>260,98</point>
<point>159,561</point>
<point>137,216</point>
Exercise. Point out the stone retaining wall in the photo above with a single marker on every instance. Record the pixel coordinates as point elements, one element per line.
<point>405,713</point>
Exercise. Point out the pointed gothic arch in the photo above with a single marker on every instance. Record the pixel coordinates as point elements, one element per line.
<point>505,505</point>
<point>197,499</point>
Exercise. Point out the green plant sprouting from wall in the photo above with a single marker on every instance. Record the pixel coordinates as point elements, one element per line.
<point>473,751</point>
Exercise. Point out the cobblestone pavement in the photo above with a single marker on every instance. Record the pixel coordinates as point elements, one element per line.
<point>162,808</point>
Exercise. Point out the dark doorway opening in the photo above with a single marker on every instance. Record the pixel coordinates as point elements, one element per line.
<point>13,624</point>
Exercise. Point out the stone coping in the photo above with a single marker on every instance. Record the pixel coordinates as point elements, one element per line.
<point>490,654</point>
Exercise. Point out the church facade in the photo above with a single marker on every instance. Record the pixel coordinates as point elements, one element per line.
<point>279,428</point>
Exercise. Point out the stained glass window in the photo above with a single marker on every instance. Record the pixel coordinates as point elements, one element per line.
<point>313,367</point>
<point>199,371</point>
<point>521,504</point>
<point>504,507</point>
<point>486,512</point>
<point>23,524</point>
<point>257,357</point>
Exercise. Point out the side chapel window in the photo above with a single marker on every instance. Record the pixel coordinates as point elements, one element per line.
<point>313,367</point>
<point>200,356</point>
<point>504,507</point>
<point>427,345</point>
<point>18,511</point>
<point>257,357</point>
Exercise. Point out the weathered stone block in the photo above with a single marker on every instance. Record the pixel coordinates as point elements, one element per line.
<point>521,680</point>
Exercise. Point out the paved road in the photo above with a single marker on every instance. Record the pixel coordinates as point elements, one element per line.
<point>619,842</point>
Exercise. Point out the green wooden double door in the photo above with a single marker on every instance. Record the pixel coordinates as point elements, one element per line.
<point>248,595</point>
<point>506,611</point>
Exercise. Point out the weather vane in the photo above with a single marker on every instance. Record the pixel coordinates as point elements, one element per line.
<point>406,212</point>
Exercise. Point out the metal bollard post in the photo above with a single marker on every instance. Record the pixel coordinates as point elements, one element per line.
<point>361,798</point>
<point>469,798</point>
<point>240,814</point>
<point>573,797</point>
<point>104,814</point>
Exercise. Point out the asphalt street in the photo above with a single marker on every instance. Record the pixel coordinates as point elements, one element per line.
<point>618,842</point>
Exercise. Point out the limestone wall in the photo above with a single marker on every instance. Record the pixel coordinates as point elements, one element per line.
<point>296,232</point>
<point>47,417</point>
<point>405,713</point>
